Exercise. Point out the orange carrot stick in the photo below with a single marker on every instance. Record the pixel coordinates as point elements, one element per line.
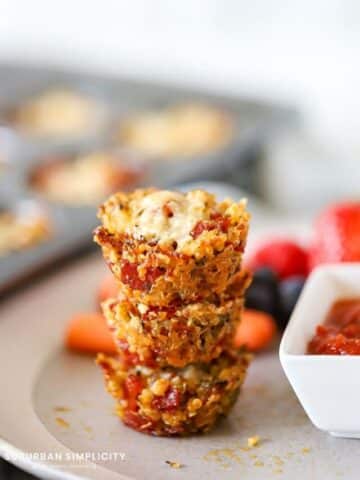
<point>256,330</point>
<point>88,332</point>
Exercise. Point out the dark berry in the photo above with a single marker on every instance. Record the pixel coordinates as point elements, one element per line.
<point>289,291</point>
<point>263,292</point>
<point>266,275</point>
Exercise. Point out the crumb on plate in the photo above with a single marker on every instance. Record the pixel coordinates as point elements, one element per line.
<point>174,464</point>
<point>60,408</point>
<point>253,441</point>
<point>62,423</point>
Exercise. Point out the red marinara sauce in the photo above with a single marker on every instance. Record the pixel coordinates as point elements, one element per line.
<point>340,333</point>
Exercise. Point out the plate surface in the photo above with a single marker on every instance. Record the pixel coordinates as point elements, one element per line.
<point>54,403</point>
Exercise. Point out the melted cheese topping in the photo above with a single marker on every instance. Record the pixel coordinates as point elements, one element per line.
<point>168,216</point>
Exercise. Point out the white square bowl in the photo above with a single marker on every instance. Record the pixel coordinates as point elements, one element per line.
<point>327,386</point>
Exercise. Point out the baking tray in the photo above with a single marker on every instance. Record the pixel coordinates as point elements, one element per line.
<point>253,122</point>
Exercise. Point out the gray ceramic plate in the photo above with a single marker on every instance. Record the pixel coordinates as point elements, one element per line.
<point>52,403</point>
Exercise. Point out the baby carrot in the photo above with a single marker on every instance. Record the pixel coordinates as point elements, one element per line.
<point>256,330</point>
<point>88,332</point>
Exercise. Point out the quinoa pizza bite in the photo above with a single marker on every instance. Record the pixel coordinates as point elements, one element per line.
<point>173,401</point>
<point>58,112</point>
<point>176,336</point>
<point>166,246</point>
<point>181,130</point>
<point>83,179</point>
<point>23,226</point>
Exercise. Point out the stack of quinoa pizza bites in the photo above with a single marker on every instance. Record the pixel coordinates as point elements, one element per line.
<point>178,262</point>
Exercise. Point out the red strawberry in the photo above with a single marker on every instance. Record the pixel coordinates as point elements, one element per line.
<point>285,257</point>
<point>337,235</point>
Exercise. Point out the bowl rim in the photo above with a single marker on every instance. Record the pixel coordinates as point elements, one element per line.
<point>316,276</point>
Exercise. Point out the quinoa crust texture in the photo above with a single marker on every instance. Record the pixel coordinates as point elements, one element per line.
<point>174,401</point>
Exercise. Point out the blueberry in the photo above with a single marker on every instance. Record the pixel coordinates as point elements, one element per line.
<point>289,291</point>
<point>266,275</point>
<point>263,292</point>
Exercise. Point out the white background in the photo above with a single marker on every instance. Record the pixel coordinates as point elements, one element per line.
<point>303,51</point>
